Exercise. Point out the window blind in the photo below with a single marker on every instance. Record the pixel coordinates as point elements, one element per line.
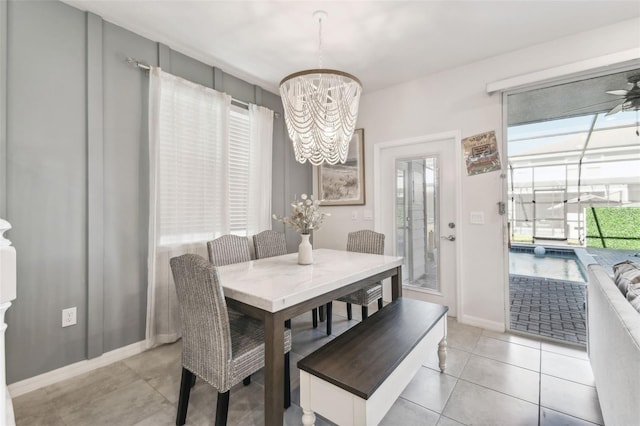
<point>192,165</point>
<point>213,164</point>
<point>239,170</point>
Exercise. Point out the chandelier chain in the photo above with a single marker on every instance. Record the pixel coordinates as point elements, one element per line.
<point>320,110</point>
<point>320,42</point>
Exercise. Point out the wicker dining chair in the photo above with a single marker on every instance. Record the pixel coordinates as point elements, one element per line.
<point>272,243</point>
<point>221,347</point>
<point>364,241</point>
<point>269,243</point>
<point>228,249</point>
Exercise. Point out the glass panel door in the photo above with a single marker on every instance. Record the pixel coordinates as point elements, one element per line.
<point>417,221</point>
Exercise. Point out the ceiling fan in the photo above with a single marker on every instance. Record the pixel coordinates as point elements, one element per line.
<point>630,98</point>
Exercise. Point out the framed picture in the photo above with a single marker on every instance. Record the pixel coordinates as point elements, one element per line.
<point>343,184</point>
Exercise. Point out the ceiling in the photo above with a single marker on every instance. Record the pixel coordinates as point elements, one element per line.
<point>383,43</point>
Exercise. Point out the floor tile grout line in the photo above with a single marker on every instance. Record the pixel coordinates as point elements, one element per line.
<point>457,379</point>
<point>540,388</point>
<point>571,415</point>
<point>454,385</point>
<point>564,354</point>
<point>546,339</point>
<point>497,391</point>
<point>504,362</point>
<point>510,342</point>
<point>567,380</point>
<point>421,406</point>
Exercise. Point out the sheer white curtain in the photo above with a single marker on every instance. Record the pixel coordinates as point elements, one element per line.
<point>260,160</point>
<point>188,189</point>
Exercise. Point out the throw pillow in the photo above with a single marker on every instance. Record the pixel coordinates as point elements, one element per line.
<point>633,292</point>
<point>624,266</point>
<point>635,303</point>
<point>626,275</point>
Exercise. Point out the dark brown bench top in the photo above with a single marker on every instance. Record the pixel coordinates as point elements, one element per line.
<point>360,359</point>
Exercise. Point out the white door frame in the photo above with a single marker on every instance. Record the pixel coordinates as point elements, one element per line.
<point>377,205</point>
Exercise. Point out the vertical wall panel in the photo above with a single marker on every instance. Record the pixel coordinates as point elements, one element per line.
<point>164,57</point>
<point>95,187</point>
<point>239,89</point>
<point>217,79</point>
<point>126,186</point>
<point>46,184</point>
<point>190,69</point>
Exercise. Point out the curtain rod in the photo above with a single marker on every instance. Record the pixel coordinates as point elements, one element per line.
<point>138,64</point>
<point>146,67</point>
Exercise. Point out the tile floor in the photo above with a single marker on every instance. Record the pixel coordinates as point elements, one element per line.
<point>491,379</point>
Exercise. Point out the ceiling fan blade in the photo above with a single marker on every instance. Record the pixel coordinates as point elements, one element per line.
<point>618,92</point>
<point>615,110</point>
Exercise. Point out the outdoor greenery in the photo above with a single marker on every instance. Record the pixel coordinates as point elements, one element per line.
<point>519,238</point>
<point>619,227</point>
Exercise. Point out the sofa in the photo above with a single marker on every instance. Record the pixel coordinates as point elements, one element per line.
<point>614,342</point>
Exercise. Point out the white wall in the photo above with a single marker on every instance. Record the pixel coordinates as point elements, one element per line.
<point>457,100</point>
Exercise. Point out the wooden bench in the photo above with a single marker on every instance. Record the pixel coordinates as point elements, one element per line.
<point>357,377</point>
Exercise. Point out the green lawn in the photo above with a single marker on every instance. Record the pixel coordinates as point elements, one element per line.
<point>615,228</point>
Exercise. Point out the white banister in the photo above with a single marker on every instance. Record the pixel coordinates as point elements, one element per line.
<point>7,294</point>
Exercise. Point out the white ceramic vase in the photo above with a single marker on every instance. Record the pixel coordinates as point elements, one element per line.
<point>305,251</point>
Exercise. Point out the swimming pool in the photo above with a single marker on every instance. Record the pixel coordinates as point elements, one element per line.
<point>559,264</point>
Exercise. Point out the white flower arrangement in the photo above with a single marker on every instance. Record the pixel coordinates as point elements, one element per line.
<point>305,216</point>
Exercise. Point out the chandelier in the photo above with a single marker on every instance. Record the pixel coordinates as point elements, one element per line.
<point>320,110</point>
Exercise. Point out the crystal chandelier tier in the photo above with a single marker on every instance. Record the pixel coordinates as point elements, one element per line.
<point>320,110</point>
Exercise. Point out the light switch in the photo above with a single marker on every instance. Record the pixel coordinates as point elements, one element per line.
<point>476,218</point>
<point>354,214</point>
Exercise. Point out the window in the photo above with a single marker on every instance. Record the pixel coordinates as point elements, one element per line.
<point>212,164</point>
<point>239,170</point>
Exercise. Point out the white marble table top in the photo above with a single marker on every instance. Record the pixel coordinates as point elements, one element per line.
<point>276,283</point>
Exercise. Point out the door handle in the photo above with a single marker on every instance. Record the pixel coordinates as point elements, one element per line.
<point>449,238</point>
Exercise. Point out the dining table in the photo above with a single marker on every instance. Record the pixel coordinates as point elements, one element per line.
<point>277,288</point>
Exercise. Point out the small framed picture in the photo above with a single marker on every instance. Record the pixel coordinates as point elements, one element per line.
<point>343,184</point>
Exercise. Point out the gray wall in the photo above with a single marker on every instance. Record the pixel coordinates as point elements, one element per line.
<point>76,177</point>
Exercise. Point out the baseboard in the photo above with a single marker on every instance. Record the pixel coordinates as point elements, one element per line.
<point>72,370</point>
<point>482,323</point>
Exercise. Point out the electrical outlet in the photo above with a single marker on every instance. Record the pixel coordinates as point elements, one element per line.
<point>69,316</point>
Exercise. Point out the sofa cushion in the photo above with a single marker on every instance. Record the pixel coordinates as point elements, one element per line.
<point>627,275</point>
<point>624,266</point>
<point>633,292</point>
<point>635,303</point>
<point>614,348</point>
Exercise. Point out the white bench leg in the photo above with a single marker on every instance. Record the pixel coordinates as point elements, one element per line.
<point>442,354</point>
<point>308,418</point>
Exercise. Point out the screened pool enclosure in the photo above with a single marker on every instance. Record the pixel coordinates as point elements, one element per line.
<point>560,170</point>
